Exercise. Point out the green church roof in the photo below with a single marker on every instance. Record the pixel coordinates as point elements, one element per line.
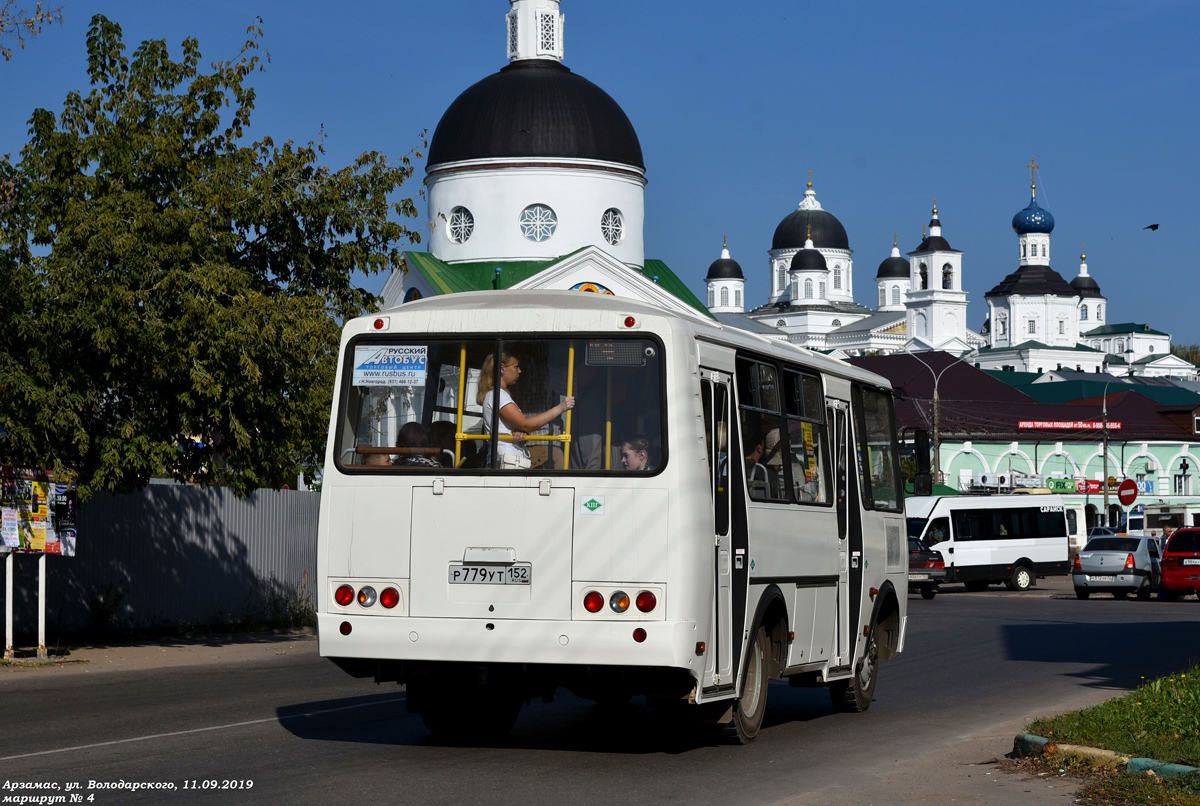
<point>453,278</point>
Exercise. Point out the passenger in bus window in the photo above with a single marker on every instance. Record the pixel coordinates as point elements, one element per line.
<point>635,453</point>
<point>441,436</point>
<point>415,450</point>
<point>513,421</point>
<point>377,460</point>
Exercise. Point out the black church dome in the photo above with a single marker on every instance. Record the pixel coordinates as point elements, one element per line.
<point>827,231</point>
<point>535,108</point>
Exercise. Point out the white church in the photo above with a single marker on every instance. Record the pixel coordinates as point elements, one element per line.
<point>535,180</point>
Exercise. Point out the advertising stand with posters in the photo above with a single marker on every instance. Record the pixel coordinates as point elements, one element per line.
<point>37,516</point>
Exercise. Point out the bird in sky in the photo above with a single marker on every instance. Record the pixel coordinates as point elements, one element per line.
<point>1152,226</point>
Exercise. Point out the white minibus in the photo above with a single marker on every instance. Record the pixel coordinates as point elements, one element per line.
<point>1013,539</point>
<point>716,510</point>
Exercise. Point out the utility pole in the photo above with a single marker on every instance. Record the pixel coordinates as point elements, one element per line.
<point>1105,480</point>
<point>937,414</point>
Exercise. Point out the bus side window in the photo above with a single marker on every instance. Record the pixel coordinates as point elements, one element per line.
<point>1072,522</point>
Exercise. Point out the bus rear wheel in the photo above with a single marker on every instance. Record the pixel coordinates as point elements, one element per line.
<point>749,709</point>
<point>855,695</point>
<point>465,711</point>
<point>1021,580</point>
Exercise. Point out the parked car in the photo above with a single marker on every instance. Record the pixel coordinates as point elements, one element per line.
<point>926,569</point>
<point>1118,564</point>
<point>1101,531</point>
<point>1181,564</point>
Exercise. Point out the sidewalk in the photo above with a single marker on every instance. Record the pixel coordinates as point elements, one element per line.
<point>164,652</point>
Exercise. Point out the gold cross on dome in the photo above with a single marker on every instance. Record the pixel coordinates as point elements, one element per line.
<point>1033,166</point>
<point>810,178</point>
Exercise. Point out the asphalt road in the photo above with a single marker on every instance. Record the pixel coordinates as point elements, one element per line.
<point>305,733</point>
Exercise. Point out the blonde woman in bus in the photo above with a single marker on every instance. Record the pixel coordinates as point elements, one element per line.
<point>635,453</point>
<point>512,421</point>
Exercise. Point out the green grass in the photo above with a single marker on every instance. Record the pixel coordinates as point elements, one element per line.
<point>1127,790</point>
<point>1160,720</point>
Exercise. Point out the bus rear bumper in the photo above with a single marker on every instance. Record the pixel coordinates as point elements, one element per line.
<point>599,643</point>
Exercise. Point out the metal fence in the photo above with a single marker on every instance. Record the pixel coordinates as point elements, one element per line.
<point>175,555</point>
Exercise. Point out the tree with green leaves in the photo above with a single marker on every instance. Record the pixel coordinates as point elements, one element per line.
<point>174,294</point>
<point>1188,352</point>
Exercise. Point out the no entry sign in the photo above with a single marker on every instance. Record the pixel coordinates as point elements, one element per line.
<point>1127,492</point>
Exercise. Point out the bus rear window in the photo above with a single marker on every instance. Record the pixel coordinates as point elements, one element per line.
<point>491,405</point>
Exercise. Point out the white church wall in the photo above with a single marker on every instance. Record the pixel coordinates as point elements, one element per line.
<point>496,197</point>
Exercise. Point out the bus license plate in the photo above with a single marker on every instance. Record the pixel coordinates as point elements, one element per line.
<point>468,574</point>
<point>1100,579</point>
<point>1191,561</point>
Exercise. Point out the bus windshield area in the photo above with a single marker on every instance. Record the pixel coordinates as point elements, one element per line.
<point>500,405</point>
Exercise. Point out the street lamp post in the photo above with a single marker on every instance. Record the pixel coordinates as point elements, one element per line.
<point>937,431</point>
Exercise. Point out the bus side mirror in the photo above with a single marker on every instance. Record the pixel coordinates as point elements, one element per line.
<point>921,451</point>
<point>923,484</point>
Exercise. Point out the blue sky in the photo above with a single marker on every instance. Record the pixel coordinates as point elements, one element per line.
<point>890,105</point>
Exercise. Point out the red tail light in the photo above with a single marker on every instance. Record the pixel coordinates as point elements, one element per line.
<point>593,602</point>
<point>389,598</point>
<point>935,564</point>
<point>1078,567</point>
<point>646,601</point>
<point>1170,560</point>
<point>344,595</point>
<point>1129,563</point>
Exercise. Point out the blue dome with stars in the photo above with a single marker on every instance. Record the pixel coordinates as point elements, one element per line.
<point>1033,219</point>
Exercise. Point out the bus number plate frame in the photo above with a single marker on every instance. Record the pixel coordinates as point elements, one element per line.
<point>490,574</point>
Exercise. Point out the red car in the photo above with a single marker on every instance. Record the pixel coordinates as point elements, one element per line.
<point>1181,564</point>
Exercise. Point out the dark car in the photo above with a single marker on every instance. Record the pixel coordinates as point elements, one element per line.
<point>1181,564</point>
<point>926,569</point>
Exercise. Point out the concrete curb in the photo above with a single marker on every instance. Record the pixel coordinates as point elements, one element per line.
<point>1027,744</point>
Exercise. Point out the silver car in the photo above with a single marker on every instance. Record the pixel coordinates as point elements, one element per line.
<point>1118,564</point>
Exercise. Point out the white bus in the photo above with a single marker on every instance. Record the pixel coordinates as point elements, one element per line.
<point>764,538</point>
<point>983,539</point>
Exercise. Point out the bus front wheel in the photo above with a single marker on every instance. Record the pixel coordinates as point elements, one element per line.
<point>748,711</point>
<point>855,695</point>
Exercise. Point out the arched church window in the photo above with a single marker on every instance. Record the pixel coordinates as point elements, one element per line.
<point>1032,326</point>
<point>612,226</point>
<point>462,224</point>
<point>808,289</point>
<point>882,296</point>
<point>821,295</point>
<point>779,282</point>
<point>947,277</point>
<point>1118,347</point>
<point>924,274</point>
<point>836,323</point>
<point>724,297</point>
<point>1083,313</point>
<point>711,295</point>
<point>895,295</point>
<point>1043,250</point>
<point>837,277</point>
<point>1099,311</point>
<point>1002,326</point>
<point>1022,250</point>
<point>1062,327</point>
<point>737,298</point>
<point>538,222</point>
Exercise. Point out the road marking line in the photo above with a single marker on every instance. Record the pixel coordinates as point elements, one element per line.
<point>200,730</point>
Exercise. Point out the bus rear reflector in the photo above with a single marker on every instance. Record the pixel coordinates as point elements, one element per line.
<point>345,628</point>
<point>389,598</point>
<point>646,601</point>
<point>639,635</point>
<point>344,595</point>
<point>593,602</point>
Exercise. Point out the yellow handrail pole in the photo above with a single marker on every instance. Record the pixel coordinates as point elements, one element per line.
<point>608,422</point>
<point>570,391</point>
<point>462,385</point>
